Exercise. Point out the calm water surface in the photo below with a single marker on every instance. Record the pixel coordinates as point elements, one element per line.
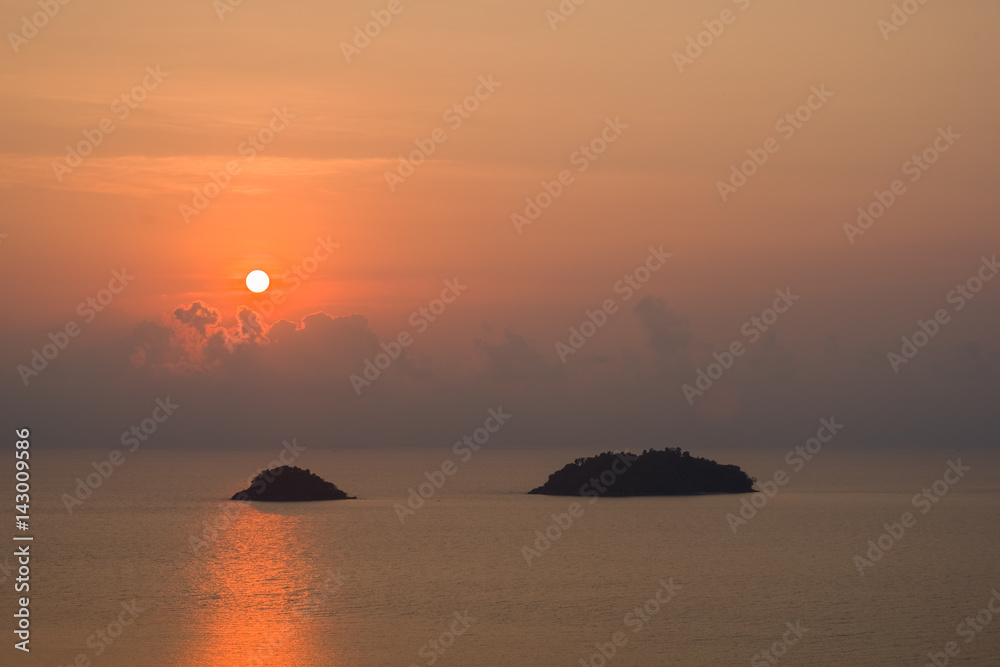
<point>347,583</point>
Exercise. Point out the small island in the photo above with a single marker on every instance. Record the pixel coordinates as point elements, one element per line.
<point>289,484</point>
<point>667,472</point>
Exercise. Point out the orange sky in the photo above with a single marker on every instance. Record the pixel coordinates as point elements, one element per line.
<point>323,174</point>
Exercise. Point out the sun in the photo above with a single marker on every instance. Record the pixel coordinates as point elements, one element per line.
<point>257,281</point>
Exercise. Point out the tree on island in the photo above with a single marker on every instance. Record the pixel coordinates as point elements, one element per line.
<point>290,484</point>
<point>667,472</point>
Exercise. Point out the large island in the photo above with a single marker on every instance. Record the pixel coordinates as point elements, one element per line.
<point>286,484</point>
<point>667,472</point>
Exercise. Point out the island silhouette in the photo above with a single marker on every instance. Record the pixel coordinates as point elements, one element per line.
<point>667,472</point>
<point>286,484</point>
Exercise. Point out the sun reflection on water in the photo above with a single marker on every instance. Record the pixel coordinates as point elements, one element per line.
<point>257,591</point>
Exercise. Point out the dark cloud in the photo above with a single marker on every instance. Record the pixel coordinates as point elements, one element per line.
<point>244,383</point>
<point>515,358</point>
<point>153,344</point>
<point>319,343</point>
<point>667,332</point>
<point>251,327</point>
<point>770,362</point>
<point>197,316</point>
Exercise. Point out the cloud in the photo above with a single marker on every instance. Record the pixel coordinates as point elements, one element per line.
<point>199,342</point>
<point>515,358</point>
<point>153,344</point>
<point>250,325</point>
<point>668,334</point>
<point>197,316</point>
<point>320,344</point>
<point>244,383</point>
<point>770,361</point>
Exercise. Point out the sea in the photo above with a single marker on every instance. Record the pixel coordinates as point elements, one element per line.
<point>864,557</point>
